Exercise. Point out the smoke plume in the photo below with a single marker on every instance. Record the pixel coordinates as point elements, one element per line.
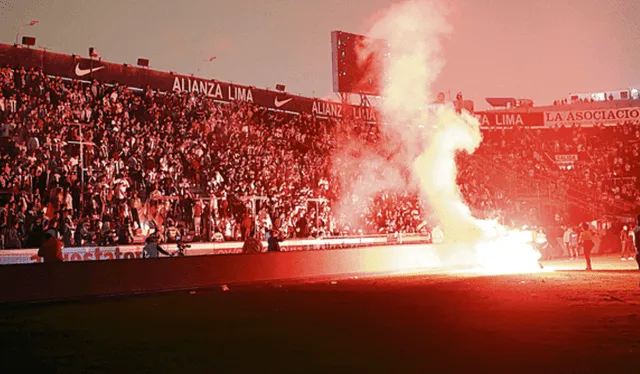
<point>413,31</point>
<point>432,135</point>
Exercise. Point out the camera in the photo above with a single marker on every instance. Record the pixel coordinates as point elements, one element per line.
<point>181,246</point>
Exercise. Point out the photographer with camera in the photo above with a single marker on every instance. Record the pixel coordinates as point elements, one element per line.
<point>275,238</point>
<point>251,244</point>
<point>152,249</point>
<point>181,246</point>
<point>109,236</point>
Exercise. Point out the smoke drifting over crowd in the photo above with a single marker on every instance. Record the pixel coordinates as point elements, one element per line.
<point>430,136</point>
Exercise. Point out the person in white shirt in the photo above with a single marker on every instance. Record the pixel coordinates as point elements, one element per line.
<point>122,185</point>
<point>566,241</point>
<point>68,200</point>
<point>636,241</point>
<point>197,216</point>
<point>626,243</point>
<point>572,236</point>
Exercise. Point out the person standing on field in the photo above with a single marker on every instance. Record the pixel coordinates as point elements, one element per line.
<point>636,241</point>
<point>626,244</point>
<point>573,242</point>
<point>586,241</point>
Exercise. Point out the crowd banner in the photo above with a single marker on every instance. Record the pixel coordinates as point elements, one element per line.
<point>590,117</point>
<point>130,252</point>
<point>566,158</point>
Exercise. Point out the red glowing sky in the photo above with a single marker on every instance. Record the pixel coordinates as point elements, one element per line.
<point>541,49</point>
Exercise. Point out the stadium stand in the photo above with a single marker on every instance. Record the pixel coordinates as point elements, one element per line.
<point>183,163</point>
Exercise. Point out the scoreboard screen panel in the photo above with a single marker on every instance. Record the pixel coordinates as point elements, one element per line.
<point>358,63</point>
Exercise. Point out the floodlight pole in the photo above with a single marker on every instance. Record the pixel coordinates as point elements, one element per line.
<point>23,25</point>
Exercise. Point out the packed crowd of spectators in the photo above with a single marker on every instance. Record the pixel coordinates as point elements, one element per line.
<point>567,102</point>
<point>178,163</point>
<point>594,167</point>
<point>584,100</point>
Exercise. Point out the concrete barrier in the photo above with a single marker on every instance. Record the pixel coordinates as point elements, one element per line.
<point>77,280</point>
<point>126,252</point>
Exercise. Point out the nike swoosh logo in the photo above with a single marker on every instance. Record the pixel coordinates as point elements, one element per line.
<point>83,72</point>
<point>279,103</point>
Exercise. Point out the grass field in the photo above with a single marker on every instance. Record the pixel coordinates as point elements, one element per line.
<point>566,321</point>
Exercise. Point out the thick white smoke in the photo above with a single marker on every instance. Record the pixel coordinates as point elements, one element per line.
<point>437,171</point>
<point>364,174</point>
<point>406,92</point>
<point>413,30</point>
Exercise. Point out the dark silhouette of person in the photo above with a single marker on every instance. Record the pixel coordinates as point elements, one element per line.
<point>586,240</point>
<point>252,245</point>
<point>636,241</point>
<point>152,249</point>
<point>51,248</point>
<point>274,241</point>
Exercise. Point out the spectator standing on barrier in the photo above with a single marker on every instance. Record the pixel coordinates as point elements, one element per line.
<point>586,241</point>
<point>636,240</point>
<point>252,245</point>
<point>51,248</point>
<point>626,244</point>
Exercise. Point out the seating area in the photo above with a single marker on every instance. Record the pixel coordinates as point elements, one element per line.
<point>182,164</point>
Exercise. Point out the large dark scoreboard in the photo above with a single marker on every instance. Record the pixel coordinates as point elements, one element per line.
<point>356,68</point>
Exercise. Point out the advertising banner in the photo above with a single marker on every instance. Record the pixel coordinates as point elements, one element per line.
<point>26,256</point>
<point>590,117</point>
<point>509,119</point>
<point>125,252</point>
<point>130,252</point>
<point>74,67</point>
